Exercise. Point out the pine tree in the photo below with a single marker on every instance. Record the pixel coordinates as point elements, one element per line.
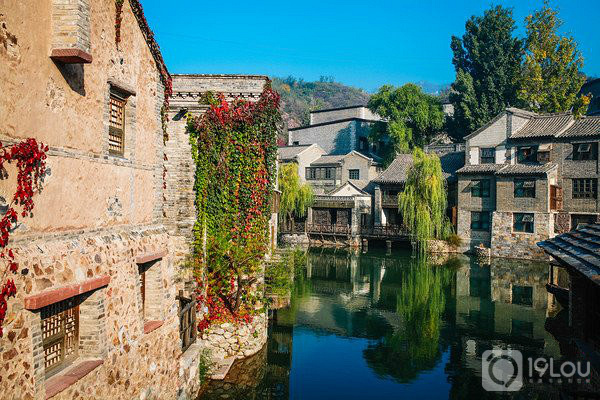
<point>551,75</point>
<point>487,60</point>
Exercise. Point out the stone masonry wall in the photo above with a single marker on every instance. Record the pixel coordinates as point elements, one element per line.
<point>239,341</point>
<point>509,244</point>
<point>135,363</point>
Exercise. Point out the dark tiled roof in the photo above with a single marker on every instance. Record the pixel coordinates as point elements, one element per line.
<point>480,169</point>
<point>452,162</point>
<point>526,169</point>
<point>585,126</point>
<point>397,172</point>
<point>543,126</point>
<point>289,152</point>
<point>579,249</point>
<point>328,159</point>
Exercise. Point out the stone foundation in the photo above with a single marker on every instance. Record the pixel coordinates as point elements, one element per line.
<point>509,244</point>
<point>239,341</point>
<point>441,246</point>
<point>294,239</point>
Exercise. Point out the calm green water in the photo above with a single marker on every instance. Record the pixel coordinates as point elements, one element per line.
<point>377,326</point>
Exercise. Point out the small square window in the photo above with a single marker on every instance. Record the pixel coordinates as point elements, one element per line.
<point>295,143</point>
<point>311,173</point>
<point>480,221</point>
<point>523,222</point>
<point>354,173</point>
<point>480,188</point>
<point>527,154</point>
<point>524,188</point>
<point>585,151</point>
<point>487,155</point>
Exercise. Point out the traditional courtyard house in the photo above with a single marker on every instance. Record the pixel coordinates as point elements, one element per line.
<point>96,313</point>
<point>527,177</point>
<point>338,131</point>
<point>578,253</point>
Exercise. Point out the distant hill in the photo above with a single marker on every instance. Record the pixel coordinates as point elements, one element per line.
<point>299,97</point>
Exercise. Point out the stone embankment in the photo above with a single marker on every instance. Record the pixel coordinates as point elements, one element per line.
<point>236,341</point>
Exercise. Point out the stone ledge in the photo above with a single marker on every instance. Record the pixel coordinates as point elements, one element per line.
<point>122,87</point>
<point>52,296</point>
<point>71,56</point>
<point>63,380</point>
<point>144,258</point>
<point>152,326</point>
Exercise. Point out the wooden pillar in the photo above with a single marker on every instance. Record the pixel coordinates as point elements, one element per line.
<point>365,245</point>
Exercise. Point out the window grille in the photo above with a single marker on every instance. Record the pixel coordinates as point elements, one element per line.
<point>354,174</point>
<point>585,188</point>
<point>488,155</point>
<point>60,334</point>
<point>480,220</point>
<point>116,132</point>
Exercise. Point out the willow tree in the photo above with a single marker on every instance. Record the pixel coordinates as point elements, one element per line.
<point>423,202</point>
<point>296,196</point>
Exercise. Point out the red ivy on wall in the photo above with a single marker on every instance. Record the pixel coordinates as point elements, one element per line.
<point>30,157</point>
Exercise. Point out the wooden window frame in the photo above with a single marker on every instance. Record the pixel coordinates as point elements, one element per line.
<point>351,171</point>
<point>584,188</point>
<point>114,131</point>
<point>524,222</point>
<point>530,157</point>
<point>524,188</point>
<point>60,312</point>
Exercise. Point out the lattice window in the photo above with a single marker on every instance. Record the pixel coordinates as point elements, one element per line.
<point>60,334</point>
<point>116,132</point>
<point>586,188</point>
<point>354,173</point>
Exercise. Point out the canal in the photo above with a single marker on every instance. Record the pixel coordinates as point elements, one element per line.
<point>377,326</point>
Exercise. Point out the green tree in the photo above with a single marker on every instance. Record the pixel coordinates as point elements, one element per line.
<point>413,117</point>
<point>551,76</point>
<point>423,201</point>
<point>487,61</point>
<point>296,196</point>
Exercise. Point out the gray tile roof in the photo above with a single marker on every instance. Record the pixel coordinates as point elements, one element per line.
<point>543,126</point>
<point>526,169</point>
<point>328,159</point>
<point>480,169</point>
<point>397,172</point>
<point>289,152</point>
<point>585,126</point>
<point>579,249</point>
<point>452,162</point>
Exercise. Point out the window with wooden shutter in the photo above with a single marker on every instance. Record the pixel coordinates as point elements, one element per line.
<point>60,334</point>
<point>116,131</point>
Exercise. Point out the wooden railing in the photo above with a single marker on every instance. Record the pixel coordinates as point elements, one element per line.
<point>187,320</point>
<point>385,231</point>
<point>292,227</point>
<point>324,228</point>
<point>389,200</point>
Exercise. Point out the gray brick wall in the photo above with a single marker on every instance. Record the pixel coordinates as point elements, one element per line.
<point>71,24</point>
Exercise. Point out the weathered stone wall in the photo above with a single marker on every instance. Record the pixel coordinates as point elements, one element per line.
<point>111,318</point>
<point>509,244</point>
<point>467,204</point>
<point>66,107</point>
<point>239,341</point>
<point>319,117</point>
<point>506,200</point>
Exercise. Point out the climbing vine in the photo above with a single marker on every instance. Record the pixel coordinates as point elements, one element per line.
<point>29,157</point>
<point>118,20</point>
<point>234,149</point>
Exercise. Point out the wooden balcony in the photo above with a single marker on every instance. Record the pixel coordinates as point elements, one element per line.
<point>292,227</point>
<point>389,200</point>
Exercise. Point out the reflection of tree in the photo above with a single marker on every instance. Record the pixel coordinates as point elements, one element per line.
<point>414,347</point>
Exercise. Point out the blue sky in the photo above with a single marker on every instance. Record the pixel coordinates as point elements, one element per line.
<point>360,43</point>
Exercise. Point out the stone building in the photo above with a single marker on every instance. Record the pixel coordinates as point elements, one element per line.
<point>338,131</point>
<point>301,155</point>
<point>592,87</point>
<point>100,305</point>
<point>527,177</point>
<point>96,313</point>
